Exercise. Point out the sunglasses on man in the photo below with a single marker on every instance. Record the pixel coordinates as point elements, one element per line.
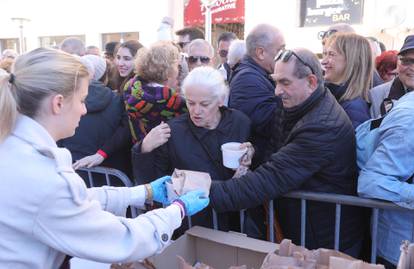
<point>406,61</point>
<point>284,56</point>
<point>195,59</point>
<point>325,34</point>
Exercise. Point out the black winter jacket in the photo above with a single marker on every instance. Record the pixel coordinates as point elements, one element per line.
<point>184,150</point>
<point>313,149</point>
<point>105,127</point>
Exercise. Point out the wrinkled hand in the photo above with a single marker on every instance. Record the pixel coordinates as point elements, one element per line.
<point>88,161</point>
<point>158,136</point>
<point>241,171</point>
<point>194,202</point>
<point>159,190</point>
<point>246,159</point>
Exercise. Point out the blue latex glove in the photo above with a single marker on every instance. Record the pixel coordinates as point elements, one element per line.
<point>194,202</point>
<point>159,190</point>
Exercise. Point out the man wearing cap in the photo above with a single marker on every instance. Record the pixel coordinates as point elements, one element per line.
<point>312,148</point>
<point>382,95</point>
<point>388,173</point>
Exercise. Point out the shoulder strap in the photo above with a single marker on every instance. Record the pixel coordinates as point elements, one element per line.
<point>210,156</point>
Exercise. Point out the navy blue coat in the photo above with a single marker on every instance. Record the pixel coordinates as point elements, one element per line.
<point>357,109</point>
<point>313,149</point>
<point>252,91</point>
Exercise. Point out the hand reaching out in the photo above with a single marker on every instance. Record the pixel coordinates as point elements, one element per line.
<point>158,136</point>
<point>88,161</point>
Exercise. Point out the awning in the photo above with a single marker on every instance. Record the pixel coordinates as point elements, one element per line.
<point>223,11</point>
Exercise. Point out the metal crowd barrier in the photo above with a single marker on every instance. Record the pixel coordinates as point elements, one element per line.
<point>304,196</point>
<point>336,199</point>
<point>111,176</point>
<point>340,200</point>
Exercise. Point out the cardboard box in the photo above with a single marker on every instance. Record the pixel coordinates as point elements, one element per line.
<point>215,248</point>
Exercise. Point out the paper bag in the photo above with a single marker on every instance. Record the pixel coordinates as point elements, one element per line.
<point>407,256</point>
<point>341,263</point>
<point>185,180</point>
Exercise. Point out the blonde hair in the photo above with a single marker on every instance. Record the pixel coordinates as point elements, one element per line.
<point>158,62</point>
<point>37,75</point>
<point>359,63</point>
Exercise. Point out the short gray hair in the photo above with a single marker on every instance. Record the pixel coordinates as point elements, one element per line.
<point>73,45</point>
<point>300,70</point>
<point>207,77</point>
<point>201,43</point>
<point>263,35</point>
<point>237,50</point>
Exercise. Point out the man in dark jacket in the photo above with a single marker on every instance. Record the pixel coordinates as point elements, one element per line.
<point>313,149</point>
<point>251,88</point>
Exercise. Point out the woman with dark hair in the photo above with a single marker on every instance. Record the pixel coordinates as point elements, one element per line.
<point>124,60</point>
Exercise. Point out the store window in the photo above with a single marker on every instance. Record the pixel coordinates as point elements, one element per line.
<point>9,43</point>
<point>54,41</point>
<point>119,37</point>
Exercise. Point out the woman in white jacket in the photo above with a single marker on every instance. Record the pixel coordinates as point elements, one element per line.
<point>46,209</point>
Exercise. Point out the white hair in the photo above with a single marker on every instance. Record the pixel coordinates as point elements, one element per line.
<point>201,43</point>
<point>206,77</point>
<point>237,50</point>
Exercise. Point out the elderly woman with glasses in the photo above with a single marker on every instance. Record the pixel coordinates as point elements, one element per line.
<point>193,141</point>
<point>349,70</point>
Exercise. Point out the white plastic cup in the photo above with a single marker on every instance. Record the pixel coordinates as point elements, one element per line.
<point>232,154</point>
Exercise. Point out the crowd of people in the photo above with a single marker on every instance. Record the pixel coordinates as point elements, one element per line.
<point>149,110</point>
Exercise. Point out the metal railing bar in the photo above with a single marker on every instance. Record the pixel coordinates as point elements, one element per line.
<point>271,222</point>
<point>303,222</point>
<point>337,225</point>
<point>343,200</point>
<point>374,234</point>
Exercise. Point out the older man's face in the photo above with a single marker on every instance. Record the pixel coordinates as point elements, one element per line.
<point>198,56</point>
<point>405,67</point>
<point>292,90</point>
<point>270,52</point>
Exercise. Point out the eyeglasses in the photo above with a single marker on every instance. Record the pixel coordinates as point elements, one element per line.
<point>194,59</point>
<point>285,55</point>
<point>325,34</point>
<point>223,53</point>
<point>406,61</point>
<point>182,44</point>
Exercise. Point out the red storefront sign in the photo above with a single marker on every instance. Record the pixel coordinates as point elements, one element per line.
<point>223,11</point>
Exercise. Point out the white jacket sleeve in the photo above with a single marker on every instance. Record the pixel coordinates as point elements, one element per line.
<point>85,230</point>
<point>117,199</point>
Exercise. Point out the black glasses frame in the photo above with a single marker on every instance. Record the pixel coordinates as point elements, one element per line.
<point>285,55</point>
<point>194,59</point>
<point>406,61</point>
<point>325,34</point>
